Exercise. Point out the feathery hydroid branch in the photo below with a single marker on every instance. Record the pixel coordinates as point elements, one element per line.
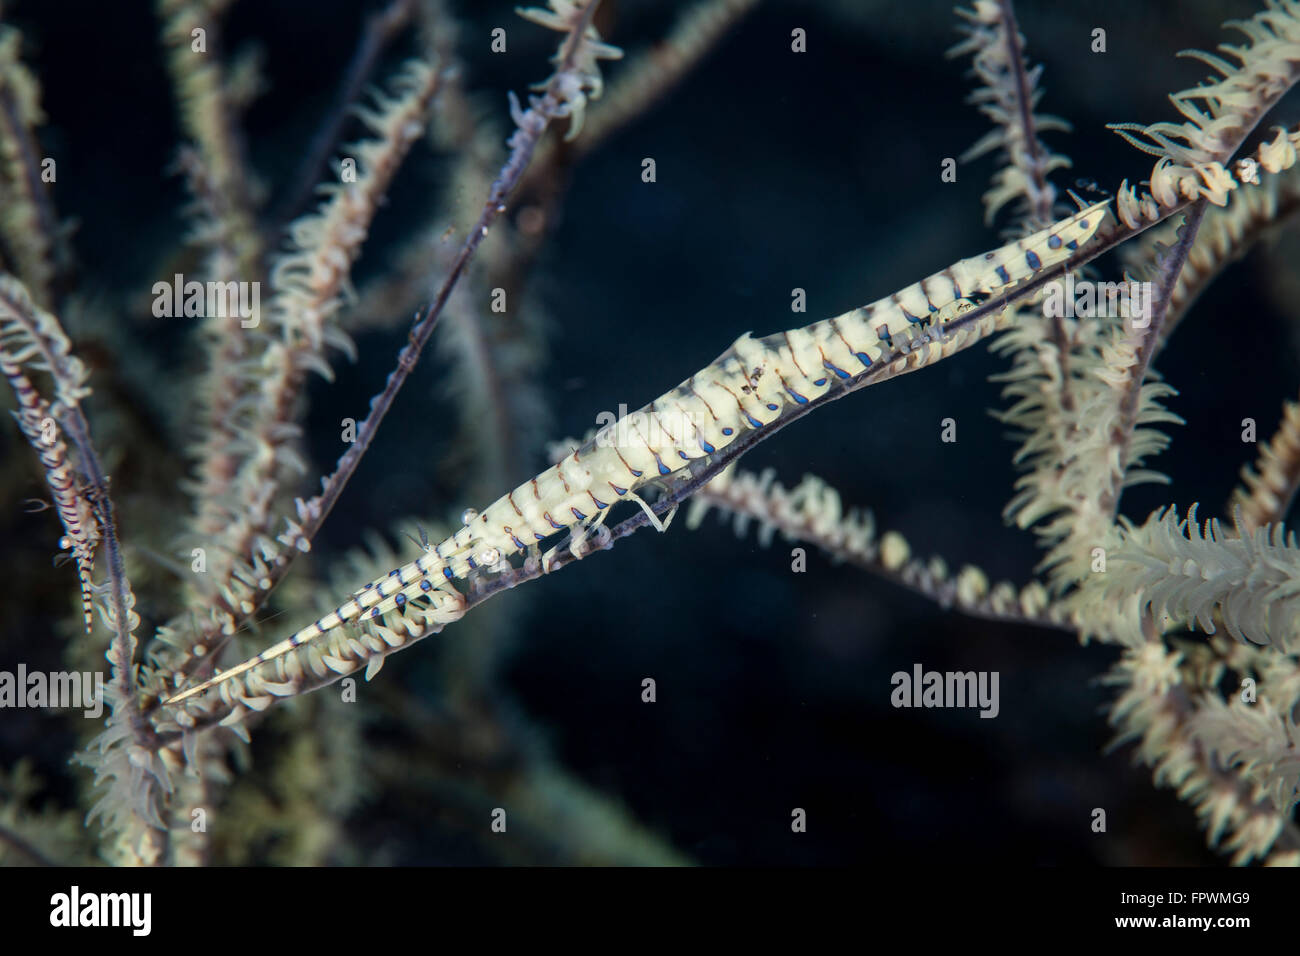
<point>1141,345</point>
<point>190,30</point>
<point>1008,95</point>
<point>27,219</point>
<point>310,282</point>
<point>225,228</point>
<point>1074,477</point>
<point>1155,708</point>
<point>812,512</point>
<point>1267,490</point>
<point>1221,114</point>
<point>1246,578</point>
<point>1222,111</point>
<point>1063,488</point>
<point>643,80</point>
<point>379,31</point>
<point>224,387</point>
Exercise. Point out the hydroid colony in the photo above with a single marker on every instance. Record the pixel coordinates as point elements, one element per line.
<point>1081,392</point>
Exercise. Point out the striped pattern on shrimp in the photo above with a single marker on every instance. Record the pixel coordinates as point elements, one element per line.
<point>36,421</point>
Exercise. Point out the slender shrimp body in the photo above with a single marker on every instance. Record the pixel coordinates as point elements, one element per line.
<point>745,389</point>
